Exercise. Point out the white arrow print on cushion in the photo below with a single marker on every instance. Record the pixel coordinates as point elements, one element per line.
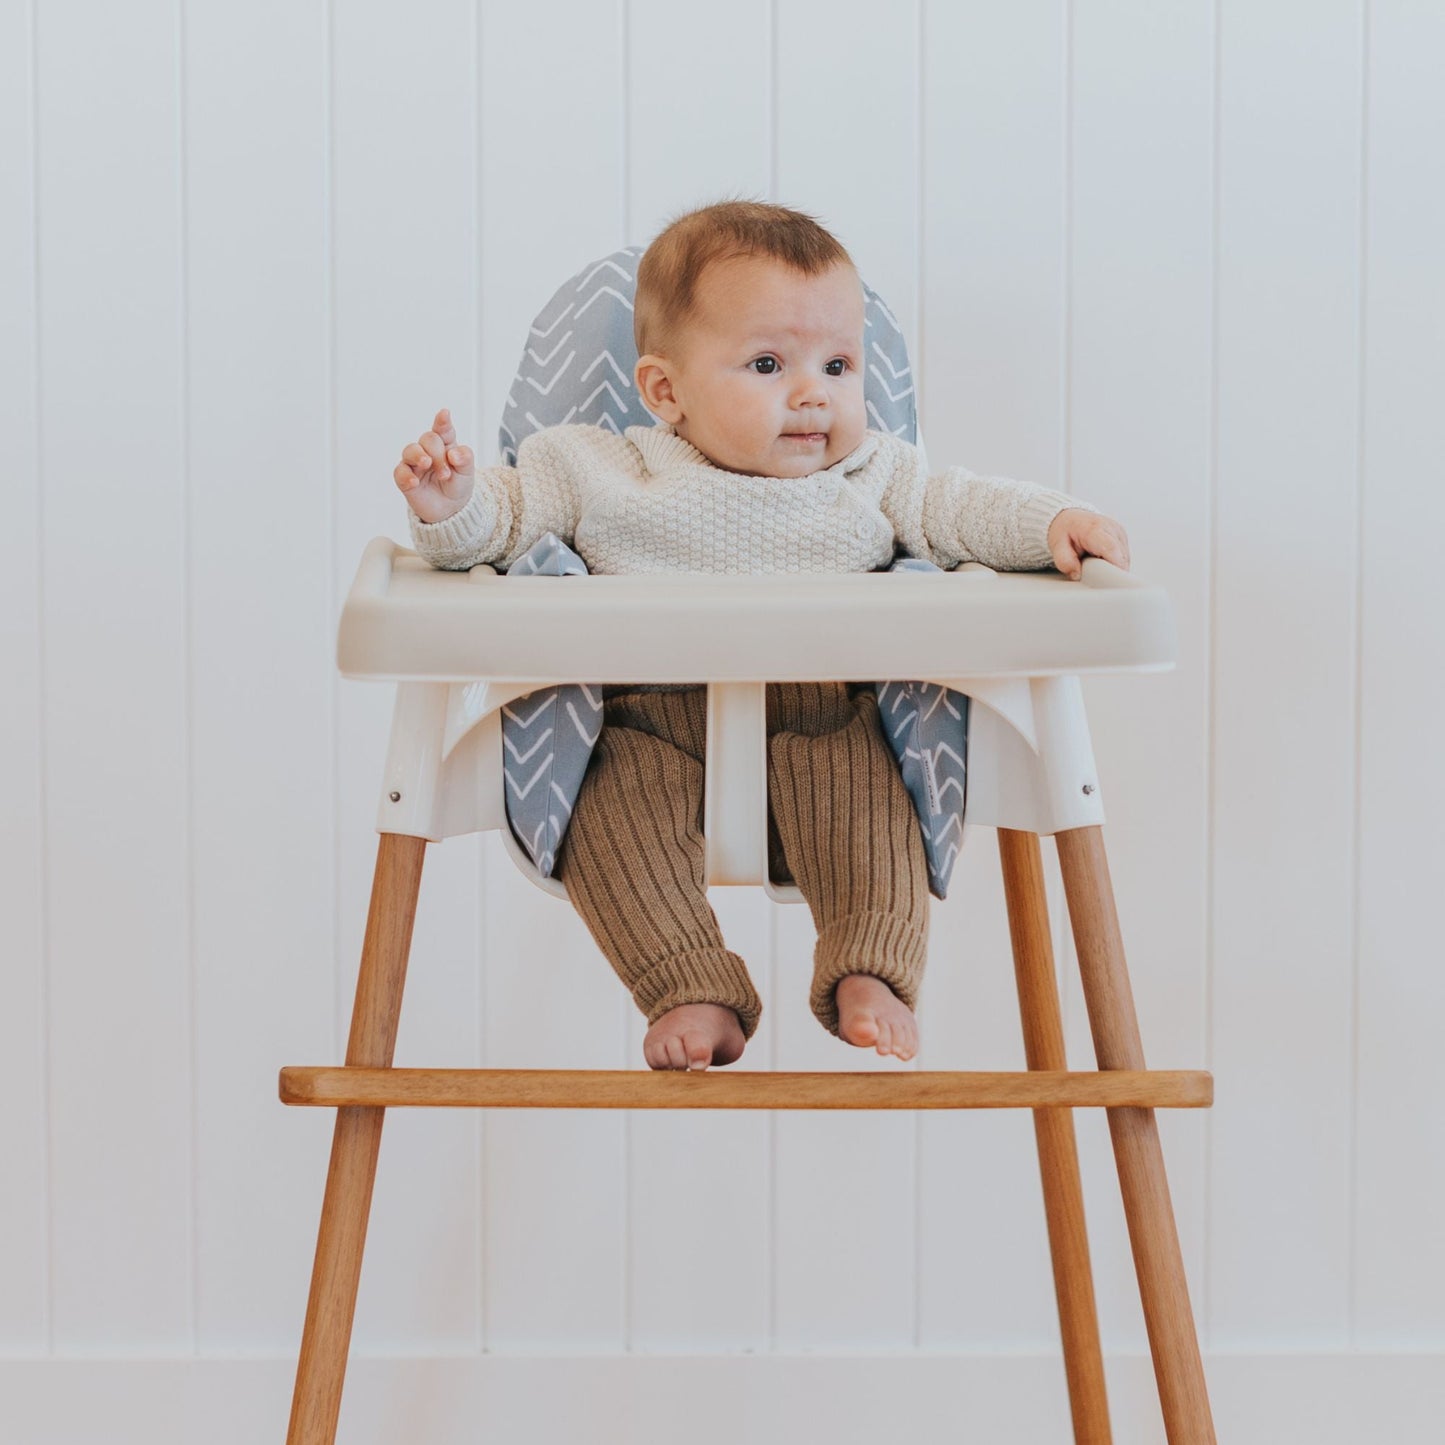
<point>883,356</point>
<point>607,356</point>
<point>626,276</point>
<point>543,360</point>
<point>518,754</point>
<point>582,729</point>
<point>887,314</point>
<point>517,787</point>
<point>604,291</point>
<point>905,723</point>
<point>883,382</point>
<point>526,722</point>
<point>607,387</point>
<point>944,748</point>
<point>537,330</point>
<point>943,793</point>
<point>941,699</point>
<point>545,389</point>
<point>883,425</point>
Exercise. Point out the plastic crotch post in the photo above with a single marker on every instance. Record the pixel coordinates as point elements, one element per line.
<point>735,818</point>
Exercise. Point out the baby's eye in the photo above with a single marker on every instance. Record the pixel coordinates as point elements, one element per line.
<point>766,365</point>
<point>840,362</point>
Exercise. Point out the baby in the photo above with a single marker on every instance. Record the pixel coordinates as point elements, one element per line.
<point>749,328</point>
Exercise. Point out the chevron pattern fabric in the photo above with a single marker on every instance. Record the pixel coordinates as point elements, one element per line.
<point>547,736</point>
<point>577,368</point>
<point>926,725</point>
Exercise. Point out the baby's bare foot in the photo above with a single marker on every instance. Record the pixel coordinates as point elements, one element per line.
<point>692,1036</point>
<point>870,1013</point>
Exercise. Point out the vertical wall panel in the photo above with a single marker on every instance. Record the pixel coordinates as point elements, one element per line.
<point>261,653</point>
<point>404,249</point>
<point>847,134</point>
<point>845,1179</point>
<point>1399,1282</point>
<point>1139,448</point>
<point>699,129</point>
<point>988,368</point>
<point>24,1225</point>
<point>117,742</point>
<point>253,256</point>
<point>1284,756</point>
<point>699,1196</point>
<point>552,172</point>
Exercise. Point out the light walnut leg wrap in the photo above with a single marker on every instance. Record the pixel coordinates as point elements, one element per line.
<point>1028,915</point>
<point>326,1338</point>
<point>1163,1288</point>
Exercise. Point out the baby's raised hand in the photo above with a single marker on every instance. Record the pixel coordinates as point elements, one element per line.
<point>1075,534</point>
<point>435,474</point>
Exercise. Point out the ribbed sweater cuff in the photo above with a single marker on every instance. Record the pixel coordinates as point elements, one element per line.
<point>463,539</point>
<point>884,945</point>
<point>704,975</point>
<point>1034,520</point>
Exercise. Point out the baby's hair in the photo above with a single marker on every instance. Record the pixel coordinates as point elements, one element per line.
<point>670,268</point>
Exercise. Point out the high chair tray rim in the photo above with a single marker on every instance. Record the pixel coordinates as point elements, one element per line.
<point>407,621</point>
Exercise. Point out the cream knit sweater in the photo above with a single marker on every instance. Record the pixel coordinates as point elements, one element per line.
<point>649,501</point>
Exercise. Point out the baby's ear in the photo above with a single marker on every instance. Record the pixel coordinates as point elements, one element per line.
<point>653,380</point>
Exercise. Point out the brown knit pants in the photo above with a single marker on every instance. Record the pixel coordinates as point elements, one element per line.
<point>843,828</point>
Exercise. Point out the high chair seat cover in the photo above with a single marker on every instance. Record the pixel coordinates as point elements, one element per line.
<point>548,737</point>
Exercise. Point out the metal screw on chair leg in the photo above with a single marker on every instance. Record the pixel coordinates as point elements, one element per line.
<point>1088,788</point>
<point>396,797</point>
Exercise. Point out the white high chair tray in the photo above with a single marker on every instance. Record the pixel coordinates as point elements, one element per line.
<point>407,621</point>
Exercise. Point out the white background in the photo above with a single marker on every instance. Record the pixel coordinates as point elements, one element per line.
<point>1183,260</point>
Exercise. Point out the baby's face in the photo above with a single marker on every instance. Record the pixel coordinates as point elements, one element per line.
<point>768,380</point>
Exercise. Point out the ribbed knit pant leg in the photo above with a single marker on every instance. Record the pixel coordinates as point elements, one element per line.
<point>632,859</point>
<point>850,838</point>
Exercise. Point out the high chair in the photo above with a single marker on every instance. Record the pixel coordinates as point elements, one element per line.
<point>461,646</point>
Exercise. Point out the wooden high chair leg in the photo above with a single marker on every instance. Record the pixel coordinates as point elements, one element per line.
<point>326,1339</point>
<point>1028,916</point>
<point>1158,1262</point>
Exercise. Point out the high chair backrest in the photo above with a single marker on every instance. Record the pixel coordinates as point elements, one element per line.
<point>578,362</point>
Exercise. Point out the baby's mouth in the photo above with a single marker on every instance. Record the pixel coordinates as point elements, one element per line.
<point>807,436</point>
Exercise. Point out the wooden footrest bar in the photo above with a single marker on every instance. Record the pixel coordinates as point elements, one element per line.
<point>724,1089</point>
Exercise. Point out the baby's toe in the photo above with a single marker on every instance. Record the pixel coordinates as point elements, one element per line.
<point>884,1044</point>
<point>698,1049</point>
<point>910,1040</point>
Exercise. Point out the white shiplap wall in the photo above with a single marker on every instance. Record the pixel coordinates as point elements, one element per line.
<point>1184,260</point>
